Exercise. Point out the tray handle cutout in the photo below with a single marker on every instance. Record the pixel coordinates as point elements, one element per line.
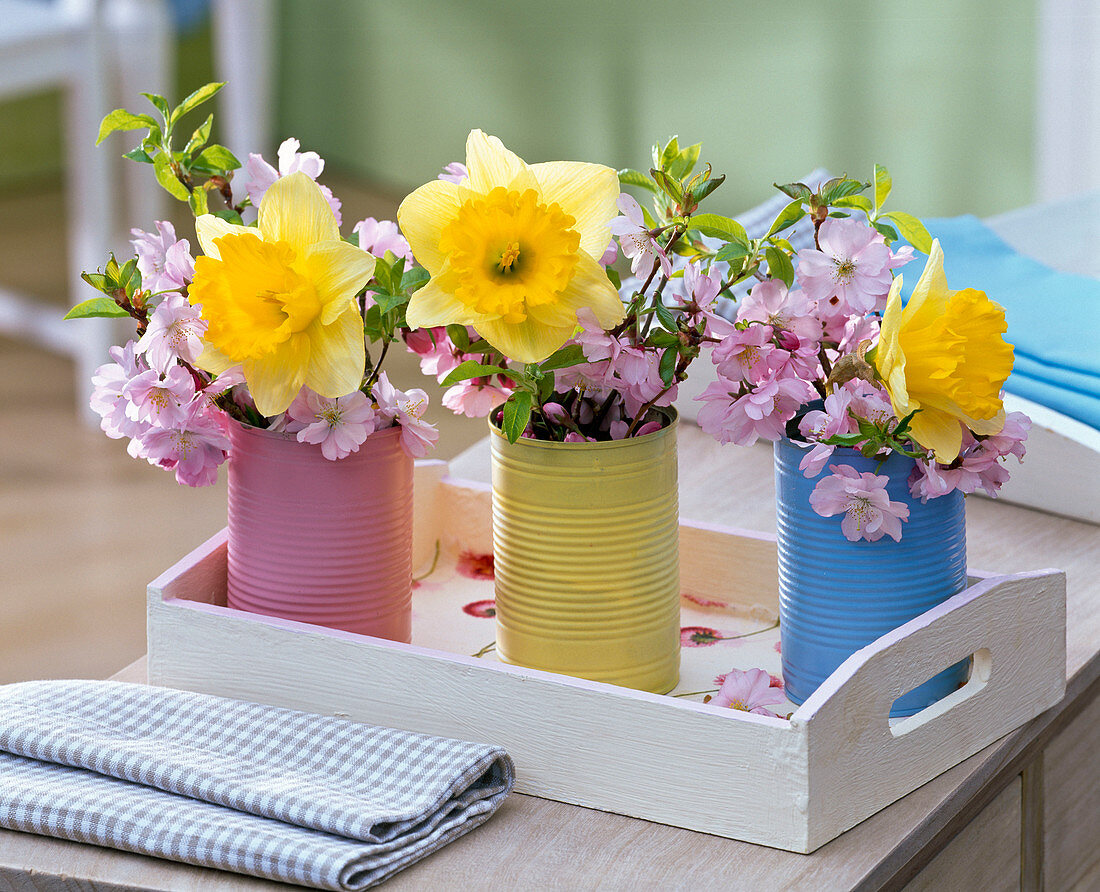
<point>980,666</point>
<point>1016,622</point>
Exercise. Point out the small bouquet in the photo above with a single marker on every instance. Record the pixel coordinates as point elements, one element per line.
<point>524,315</point>
<point>268,326</point>
<point>525,318</point>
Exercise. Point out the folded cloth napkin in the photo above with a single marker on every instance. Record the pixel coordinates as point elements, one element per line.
<point>237,786</point>
<point>1053,317</point>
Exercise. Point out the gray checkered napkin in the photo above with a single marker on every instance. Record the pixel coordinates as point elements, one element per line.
<point>270,792</point>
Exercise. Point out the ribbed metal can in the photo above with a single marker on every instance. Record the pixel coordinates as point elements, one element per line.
<point>320,541</point>
<point>837,596</point>
<point>586,548</point>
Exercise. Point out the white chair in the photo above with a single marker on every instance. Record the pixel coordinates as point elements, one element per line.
<point>65,44</point>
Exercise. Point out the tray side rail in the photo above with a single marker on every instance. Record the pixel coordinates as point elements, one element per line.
<point>860,761</point>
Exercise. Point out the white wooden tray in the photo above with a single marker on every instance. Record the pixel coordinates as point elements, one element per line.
<point>792,783</point>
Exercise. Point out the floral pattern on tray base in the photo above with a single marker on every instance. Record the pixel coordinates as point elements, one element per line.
<point>453,610</point>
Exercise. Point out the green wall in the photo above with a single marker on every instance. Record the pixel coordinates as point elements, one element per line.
<point>940,91</point>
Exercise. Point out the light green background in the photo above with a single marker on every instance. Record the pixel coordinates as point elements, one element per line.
<point>940,91</point>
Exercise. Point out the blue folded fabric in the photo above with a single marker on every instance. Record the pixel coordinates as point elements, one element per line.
<point>1053,317</point>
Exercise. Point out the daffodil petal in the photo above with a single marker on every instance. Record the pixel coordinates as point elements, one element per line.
<point>587,192</point>
<point>337,356</point>
<point>275,378</point>
<point>338,272</point>
<point>527,341</point>
<point>489,163</point>
<point>929,298</point>
<point>590,288</point>
<point>938,431</point>
<point>422,216</point>
<point>293,210</point>
<point>434,305</point>
<point>208,228</point>
<point>213,360</point>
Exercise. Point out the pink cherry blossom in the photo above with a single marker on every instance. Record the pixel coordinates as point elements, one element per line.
<point>194,448</point>
<point>164,261</point>
<point>455,172</point>
<point>175,332</point>
<point>772,303</point>
<point>862,499</point>
<point>438,354</point>
<point>109,400</point>
<point>747,691</point>
<point>474,400</point>
<point>742,354</point>
<point>574,437</point>
<point>339,426</point>
<point>261,174</point>
<point>636,241</point>
<point>405,409</point>
<point>851,274</point>
<point>761,412</point>
<point>379,236</point>
<point>163,402</point>
<point>609,255</point>
<point>979,465</point>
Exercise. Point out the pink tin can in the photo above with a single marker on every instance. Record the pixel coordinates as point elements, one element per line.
<point>319,541</point>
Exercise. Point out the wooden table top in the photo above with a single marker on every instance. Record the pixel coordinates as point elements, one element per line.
<point>536,843</point>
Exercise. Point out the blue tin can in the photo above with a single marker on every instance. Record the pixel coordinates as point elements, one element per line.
<point>837,596</point>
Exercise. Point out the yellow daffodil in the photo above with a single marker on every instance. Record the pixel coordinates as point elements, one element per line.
<point>280,298</point>
<point>511,249</point>
<point>944,354</point>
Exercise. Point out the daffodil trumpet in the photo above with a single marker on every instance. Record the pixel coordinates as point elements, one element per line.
<point>943,357</point>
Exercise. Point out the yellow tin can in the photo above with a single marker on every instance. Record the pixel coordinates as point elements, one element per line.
<point>586,547</point>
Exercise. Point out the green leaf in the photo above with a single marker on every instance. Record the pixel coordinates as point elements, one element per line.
<point>648,217</point>
<point>733,251</point>
<point>790,215</point>
<point>138,155</point>
<point>913,230</point>
<point>661,338</point>
<point>198,203</point>
<point>517,412</point>
<point>779,265</point>
<point>217,158</point>
<point>720,227</point>
<point>613,277</point>
<point>888,232</point>
<point>387,302</point>
<point>414,278</point>
<point>883,185</point>
<point>471,368</point>
<point>127,271</point>
<point>546,387</point>
<point>569,355</point>
<point>841,187</point>
<point>97,306</point>
<point>795,190</point>
<point>671,150</point>
<point>685,161</point>
<point>855,201</point>
<point>665,317</point>
<point>97,280</point>
<point>196,99</point>
<point>230,215</point>
<point>667,365</point>
<point>161,105</point>
<point>669,184</point>
<point>120,119</point>
<point>460,337</point>
<point>199,137</point>
<point>163,169</point>
<point>702,190</point>
<point>628,177</point>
